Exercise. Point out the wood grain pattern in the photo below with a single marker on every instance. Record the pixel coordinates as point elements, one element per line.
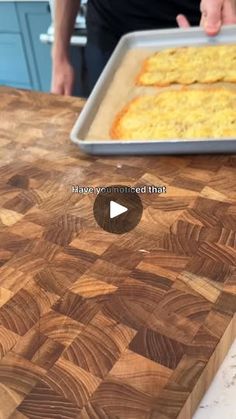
<point>96,326</point>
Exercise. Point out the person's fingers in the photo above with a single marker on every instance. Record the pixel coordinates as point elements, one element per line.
<point>63,78</point>
<point>203,14</point>
<point>182,21</point>
<point>202,21</point>
<point>212,15</point>
<point>69,82</point>
<point>68,89</point>
<point>57,89</point>
<point>229,12</point>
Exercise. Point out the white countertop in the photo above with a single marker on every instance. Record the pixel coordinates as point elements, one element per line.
<point>220,399</point>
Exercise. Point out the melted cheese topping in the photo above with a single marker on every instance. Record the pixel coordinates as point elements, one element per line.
<point>188,65</point>
<point>182,114</point>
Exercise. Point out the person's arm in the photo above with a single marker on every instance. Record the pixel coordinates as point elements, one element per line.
<point>62,71</point>
<point>215,13</point>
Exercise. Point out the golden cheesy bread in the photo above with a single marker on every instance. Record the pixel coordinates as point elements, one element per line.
<point>182,114</point>
<point>187,65</point>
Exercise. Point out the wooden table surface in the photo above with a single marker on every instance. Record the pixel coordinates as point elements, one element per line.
<point>95,325</point>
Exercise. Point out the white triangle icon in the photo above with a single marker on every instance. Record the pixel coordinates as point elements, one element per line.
<point>116,209</point>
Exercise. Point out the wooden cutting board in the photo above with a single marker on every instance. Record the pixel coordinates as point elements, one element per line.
<point>95,325</point>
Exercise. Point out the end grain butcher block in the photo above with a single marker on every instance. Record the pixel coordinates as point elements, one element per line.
<point>95,325</point>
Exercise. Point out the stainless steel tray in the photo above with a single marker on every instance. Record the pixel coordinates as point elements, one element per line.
<point>157,39</point>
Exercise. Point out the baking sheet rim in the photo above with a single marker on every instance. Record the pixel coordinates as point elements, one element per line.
<point>81,121</point>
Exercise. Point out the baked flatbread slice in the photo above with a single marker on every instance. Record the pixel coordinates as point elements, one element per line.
<point>188,65</point>
<point>180,114</point>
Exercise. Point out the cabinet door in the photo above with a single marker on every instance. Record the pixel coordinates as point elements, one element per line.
<point>35,19</point>
<point>14,69</point>
<point>13,65</point>
<point>8,17</point>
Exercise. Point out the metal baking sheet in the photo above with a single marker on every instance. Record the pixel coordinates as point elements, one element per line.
<point>151,41</point>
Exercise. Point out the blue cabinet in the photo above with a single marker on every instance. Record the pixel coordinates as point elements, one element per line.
<point>13,66</point>
<point>24,60</point>
<point>8,17</point>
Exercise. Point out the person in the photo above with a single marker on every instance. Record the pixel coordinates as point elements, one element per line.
<point>108,20</point>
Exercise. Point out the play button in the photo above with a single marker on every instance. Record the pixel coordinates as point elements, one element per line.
<point>117,209</point>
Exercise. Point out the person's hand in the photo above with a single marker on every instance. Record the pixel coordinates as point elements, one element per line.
<point>215,13</point>
<point>63,77</point>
